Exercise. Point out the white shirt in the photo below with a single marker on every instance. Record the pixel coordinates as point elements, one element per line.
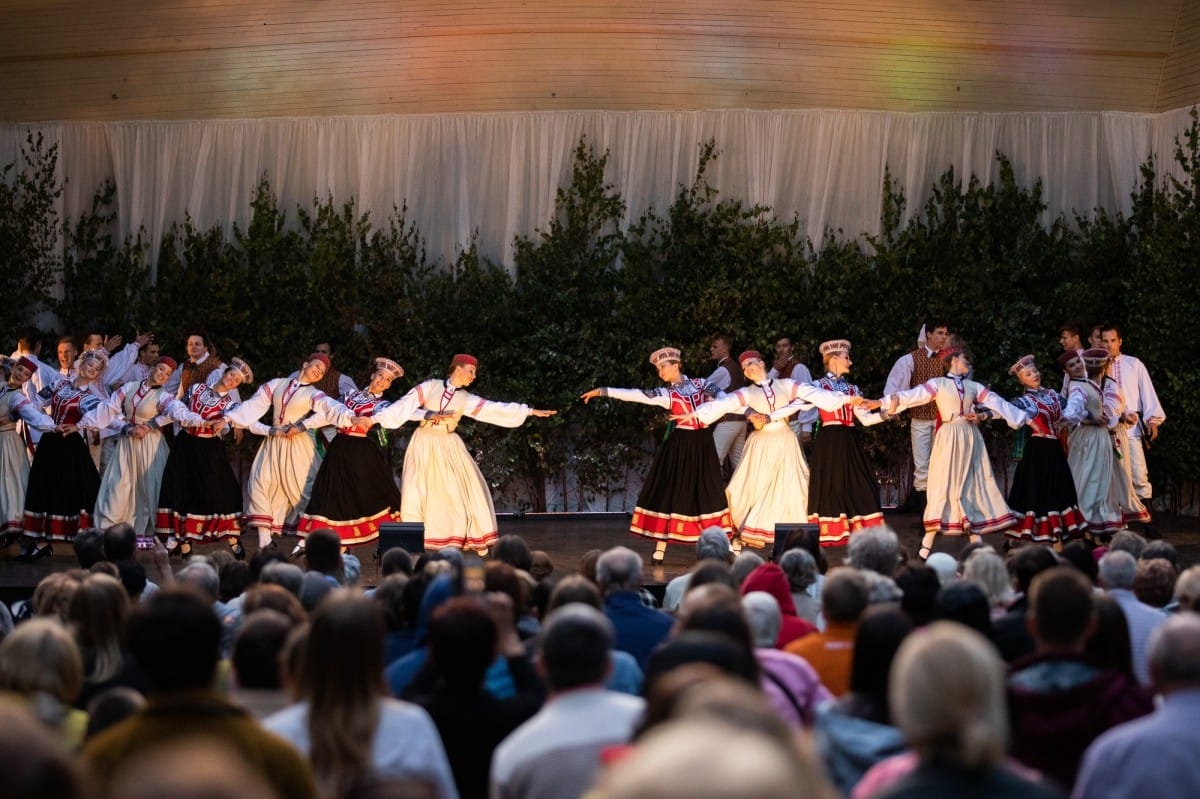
<point>900,378</point>
<point>1140,396</point>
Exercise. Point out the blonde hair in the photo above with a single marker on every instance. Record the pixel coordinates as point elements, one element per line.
<point>947,690</point>
<point>52,596</point>
<point>97,615</point>
<point>341,677</point>
<point>986,568</point>
<point>40,657</point>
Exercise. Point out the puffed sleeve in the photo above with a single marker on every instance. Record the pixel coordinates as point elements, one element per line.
<point>658,397</point>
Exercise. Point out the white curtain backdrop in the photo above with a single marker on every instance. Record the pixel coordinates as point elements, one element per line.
<point>496,174</point>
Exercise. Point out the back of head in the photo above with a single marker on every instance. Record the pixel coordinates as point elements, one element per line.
<point>396,560</point>
<point>987,568</point>
<point>1127,541</point>
<point>323,552</point>
<point>39,657</point>
<point>800,567</point>
<point>715,608</point>
<point>390,596</point>
<point>709,572</point>
<point>947,691</point>
<point>1154,582</point>
<point>880,633</point>
<point>1163,550</point>
<point>1028,562</point>
<point>542,566</point>
<point>175,637</point>
<point>314,589</point>
<point>257,647</point>
<point>89,548</point>
<point>715,648</point>
<point>744,564</point>
<point>120,542</point>
<point>845,595</point>
<point>345,647</point>
<point>277,598</point>
<point>53,594</point>
<point>964,602</point>
<point>1078,554</point>
<point>764,617</point>
<point>619,569</point>
<point>713,544</point>
<point>575,588</point>
<point>1060,608</point>
<point>111,706</point>
<point>201,576</point>
<point>1174,654</point>
<point>1187,589</point>
<point>1108,646</point>
<point>1117,571</point>
<point>133,578</point>
<point>874,549</point>
<point>287,575</point>
<point>513,550</point>
<point>576,643</point>
<point>98,613</point>
<point>462,640</point>
<point>234,579</point>
<point>193,767</point>
<point>40,765</point>
<point>920,585</point>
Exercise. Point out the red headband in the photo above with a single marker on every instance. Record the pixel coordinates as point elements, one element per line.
<point>168,360</point>
<point>25,361</point>
<point>320,356</point>
<point>462,359</point>
<point>748,354</point>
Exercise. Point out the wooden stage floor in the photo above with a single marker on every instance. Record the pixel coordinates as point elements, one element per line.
<point>566,537</point>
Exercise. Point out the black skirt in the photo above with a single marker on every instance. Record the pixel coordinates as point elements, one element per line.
<point>354,491</point>
<point>683,492</point>
<point>1043,494</point>
<point>843,495</point>
<point>200,498</point>
<point>63,484</point>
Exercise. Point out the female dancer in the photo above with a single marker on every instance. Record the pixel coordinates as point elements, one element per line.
<point>963,496</point>
<point>282,474</point>
<point>1090,445</point>
<point>130,485</point>
<point>441,483</point>
<point>842,495</point>
<point>354,491</point>
<point>201,498</point>
<point>770,484</point>
<point>14,454</point>
<point>1043,491</point>
<point>683,493</point>
<point>63,481</point>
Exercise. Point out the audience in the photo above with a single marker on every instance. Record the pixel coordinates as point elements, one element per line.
<point>638,628</point>
<point>843,599</point>
<point>1118,570</point>
<point>712,545</point>
<point>789,682</point>
<point>770,579</point>
<point>1010,631</point>
<point>801,569</point>
<point>40,662</point>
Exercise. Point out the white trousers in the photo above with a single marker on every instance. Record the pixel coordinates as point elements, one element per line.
<point>921,432</point>
<point>1135,464</point>
<point>729,437</point>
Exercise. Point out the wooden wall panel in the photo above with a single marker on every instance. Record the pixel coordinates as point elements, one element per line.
<point>171,59</point>
<point>1181,72</point>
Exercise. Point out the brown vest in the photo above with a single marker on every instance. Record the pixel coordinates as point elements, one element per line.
<point>329,384</point>
<point>194,373</point>
<point>925,368</point>
<point>737,379</point>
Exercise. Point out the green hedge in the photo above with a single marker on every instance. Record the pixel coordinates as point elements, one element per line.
<point>589,299</point>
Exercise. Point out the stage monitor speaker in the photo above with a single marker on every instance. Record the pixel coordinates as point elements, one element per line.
<point>409,536</point>
<point>810,539</point>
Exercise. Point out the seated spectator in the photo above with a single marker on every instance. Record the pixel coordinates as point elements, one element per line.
<point>1155,754</point>
<point>542,566</point>
<point>175,637</point>
<point>1079,555</point>
<point>465,634</point>
<point>1118,570</point>
<point>711,628</point>
<point>89,548</point>
<point>790,684</point>
<point>1108,645</point>
<point>266,596</point>
<point>1127,541</point>
<point>1010,631</point>
<point>513,550</point>
<point>801,569</point>
<point>638,628</point>
<point>856,732</point>
<point>396,560</point>
<point>831,652</point>
<point>98,612</point>
<point>39,764</point>
<point>944,565</point>
<point>344,723</point>
<point>1059,702</point>
<point>110,707</point>
<point>40,663</point>
<point>401,638</point>
<point>257,667</point>
<point>286,575</point>
<point>1163,550</point>
<point>744,564</point>
<point>964,601</point>
<point>557,752</point>
<point>712,545</point>
<point>1187,589</point>
<point>53,594</point>
<point>986,568</point>
<point>947,696</point>
<point>770,578</point>
<point>920,584</point>
<point>1154,582</point>
<point>626,674</point>
<point>190,769</point>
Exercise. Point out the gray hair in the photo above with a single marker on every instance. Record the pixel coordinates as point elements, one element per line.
<point>1174,652</point>
<point>986,567</point>
<point>800,567</point>
<point>202,575</point>
<point>1117,570</point>
<point>881,589</point>
<point>874,549</point>
<point>743,564</point>
<point>1127,541</point>
<point>713,544</point>
<point>1187,589</point>
<point>285,575</point>
<point>765,618</point>
<point>619,569</point>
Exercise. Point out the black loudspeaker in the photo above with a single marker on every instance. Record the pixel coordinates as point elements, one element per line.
<point>409,536</point>
<point>810,539</point>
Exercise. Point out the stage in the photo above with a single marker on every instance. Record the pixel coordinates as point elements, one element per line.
<point>566,537</point>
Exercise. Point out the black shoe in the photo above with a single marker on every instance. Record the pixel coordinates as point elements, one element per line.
<point>239,551</point>
<point>34,552</point>
<point>297,551</point>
